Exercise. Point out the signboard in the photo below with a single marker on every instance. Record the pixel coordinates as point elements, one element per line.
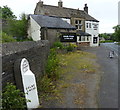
<point>29,84</point>
<point>25,81</point>
<point>68,38</point>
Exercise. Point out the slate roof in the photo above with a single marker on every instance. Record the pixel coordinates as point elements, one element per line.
<point>65,12</point>
<point>52,22</point>
<point>81,33</point>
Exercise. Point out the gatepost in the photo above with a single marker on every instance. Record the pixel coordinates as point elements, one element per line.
<point>25,81</point>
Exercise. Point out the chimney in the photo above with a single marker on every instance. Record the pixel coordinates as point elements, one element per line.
<point>40,3</point>
<point>86,8</point>
<point>60,3</point>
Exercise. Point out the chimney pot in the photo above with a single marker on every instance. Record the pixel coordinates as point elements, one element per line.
<point>40,3</point>
<point>86,8</point>
<point>60,3</point>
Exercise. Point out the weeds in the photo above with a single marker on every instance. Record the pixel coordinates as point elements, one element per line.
<point>13,98</point>
<point>52,65</point>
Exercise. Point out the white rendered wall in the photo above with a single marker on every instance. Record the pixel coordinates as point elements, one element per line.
<point>94,33</point>
<point>34,30</point>
<point>67,20</point>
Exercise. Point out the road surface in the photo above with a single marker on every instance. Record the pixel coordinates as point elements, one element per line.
<point>108,97</point>
<point>108,93</point>
<point>112,47</point>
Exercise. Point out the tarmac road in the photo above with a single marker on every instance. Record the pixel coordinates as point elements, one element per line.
<point>112,47</point>
<point>108,93</point>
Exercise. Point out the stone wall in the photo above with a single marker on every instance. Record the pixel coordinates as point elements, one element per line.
<point>51,35</point>
<point>35,52</point>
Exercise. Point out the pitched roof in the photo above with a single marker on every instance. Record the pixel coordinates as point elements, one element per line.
<point>81,33</point>
<point>64,12</point>
<point>52,22</point>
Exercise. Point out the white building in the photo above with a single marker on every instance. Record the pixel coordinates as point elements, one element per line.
<point>87,35</point>
<point>41,27</point>
<point>92,28</point>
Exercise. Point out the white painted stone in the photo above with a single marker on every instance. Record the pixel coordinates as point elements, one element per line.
<point>29,84</point>
<point>94,31</point>
<point>34,30</point>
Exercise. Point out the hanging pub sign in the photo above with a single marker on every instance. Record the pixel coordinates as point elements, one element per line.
<point>68,37</point>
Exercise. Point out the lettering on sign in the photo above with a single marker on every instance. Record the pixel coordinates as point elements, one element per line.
<point>68,38</point>
<point>25,66</point>
<point>30,88</point>
<point>95,26</point>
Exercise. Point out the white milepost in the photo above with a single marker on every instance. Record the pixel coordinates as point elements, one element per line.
<point>29,84</point>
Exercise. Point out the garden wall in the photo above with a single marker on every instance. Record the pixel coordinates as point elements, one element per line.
<point>35,52</point>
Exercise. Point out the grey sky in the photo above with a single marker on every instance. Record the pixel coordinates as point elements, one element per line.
<point>106,11</point>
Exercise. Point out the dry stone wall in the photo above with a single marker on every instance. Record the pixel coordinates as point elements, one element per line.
<point>35,52</point>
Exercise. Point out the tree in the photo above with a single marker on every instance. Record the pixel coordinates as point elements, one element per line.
<point>105,36</point>
<point>7,13</point>
<point>117,32</point>
<point>12,26</point>
<point>18,28</point>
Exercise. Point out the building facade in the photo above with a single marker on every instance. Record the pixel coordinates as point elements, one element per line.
<point>93,29</point>
<point>42,27</point>
<point>78,18</point>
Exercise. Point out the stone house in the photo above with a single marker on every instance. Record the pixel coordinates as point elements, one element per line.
<point>42,27</point>
<point>87,26</point>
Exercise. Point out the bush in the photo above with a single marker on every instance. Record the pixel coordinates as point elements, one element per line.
<point>58,45</point>
<point>45,85</point>
<point>52,65</point>
<point>71,47</point>
<point>107,41</point>
<point>12,98</point>
<point>7,38</point>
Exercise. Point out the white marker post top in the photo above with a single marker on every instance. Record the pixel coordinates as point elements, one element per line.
<point>29,84</point>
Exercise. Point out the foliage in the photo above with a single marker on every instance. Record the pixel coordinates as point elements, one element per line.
<point>52,65</point>
<point>105,36</point>
<point>106,41</point>
<point>6,38</point>
<point>12,98</point>
<point>7,13</point>
<point>58,45</point>
<point>71,47</point>
<point>117,32</point>
<point>45,84</point>
<point>17,28</point>
<point>12,26</point>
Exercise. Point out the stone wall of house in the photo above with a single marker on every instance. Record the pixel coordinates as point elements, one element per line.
<point>52,35</point>
<point>35,52</point>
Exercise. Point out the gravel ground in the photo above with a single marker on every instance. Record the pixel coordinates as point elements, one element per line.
<point>79,84</point>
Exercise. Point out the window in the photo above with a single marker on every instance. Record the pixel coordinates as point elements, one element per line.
<point>95,40</point>
<point>80,38</point>
<point>87,38</point>
<point>78,24</point>
<point>83,38</point>
<point>79,21</point>
<point>76,21</point>
<point>87,25</point>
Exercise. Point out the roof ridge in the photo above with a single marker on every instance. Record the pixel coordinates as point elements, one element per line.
<point>62,7</point>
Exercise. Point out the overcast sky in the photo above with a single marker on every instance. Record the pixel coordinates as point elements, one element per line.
<point>106,11</point>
